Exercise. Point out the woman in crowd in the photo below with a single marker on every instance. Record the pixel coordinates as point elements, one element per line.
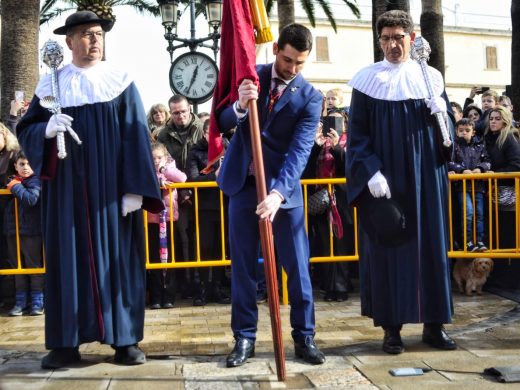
<point>503,146</point>
<point>157,118</point>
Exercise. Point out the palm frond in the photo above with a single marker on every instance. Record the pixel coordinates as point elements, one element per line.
<point>325,6</point>
<point>308,7</point>
<point>49,15</point>
<point>353,8</point>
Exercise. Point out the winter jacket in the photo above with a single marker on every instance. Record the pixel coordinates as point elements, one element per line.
<point>469,156</point>
<point>29,220</point>
<point>171,174</point>
<point>180,141</point>
<point>505,159</point>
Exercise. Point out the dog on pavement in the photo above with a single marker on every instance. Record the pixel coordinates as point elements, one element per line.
<point>471,274</point>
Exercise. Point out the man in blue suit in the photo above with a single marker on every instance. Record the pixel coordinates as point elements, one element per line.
<point>289,112</point>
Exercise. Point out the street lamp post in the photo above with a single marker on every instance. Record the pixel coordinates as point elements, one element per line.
<point>193,74</point>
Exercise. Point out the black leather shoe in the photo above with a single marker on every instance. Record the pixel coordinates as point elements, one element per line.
<point>392,342</point>
<point>244,349</point>
<point>129,355</point>
<point>60,357</point>
<point>306,348</point>
<point>436,336</point>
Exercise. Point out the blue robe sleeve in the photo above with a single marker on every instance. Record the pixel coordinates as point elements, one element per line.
<point>137,166</point>
<point>361,162</point>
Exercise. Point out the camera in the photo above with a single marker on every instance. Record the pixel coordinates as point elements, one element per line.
<point>332,122</point>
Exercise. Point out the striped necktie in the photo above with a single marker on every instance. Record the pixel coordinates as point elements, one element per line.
<point>275,92</point>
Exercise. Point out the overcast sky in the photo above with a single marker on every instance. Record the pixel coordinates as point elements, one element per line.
<point>136,42</point>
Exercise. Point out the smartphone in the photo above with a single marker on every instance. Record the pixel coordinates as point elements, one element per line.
<point>332,122</point>
<point>406,371</point>
<point>18,96</point>
<point>482,90</point>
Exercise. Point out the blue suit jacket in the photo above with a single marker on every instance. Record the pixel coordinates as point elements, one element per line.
<point>287,137</point>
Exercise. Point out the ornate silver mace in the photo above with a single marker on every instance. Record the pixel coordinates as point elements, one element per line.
<point>52,56</point>
<point>421,53</point>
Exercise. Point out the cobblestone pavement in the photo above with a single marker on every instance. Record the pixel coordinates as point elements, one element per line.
<point>186,348</point>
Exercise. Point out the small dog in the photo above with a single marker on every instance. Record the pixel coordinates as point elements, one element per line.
<point>471,274</point>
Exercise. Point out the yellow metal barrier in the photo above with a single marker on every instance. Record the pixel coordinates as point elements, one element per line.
<point>495,251</point>
<point>19,270</point>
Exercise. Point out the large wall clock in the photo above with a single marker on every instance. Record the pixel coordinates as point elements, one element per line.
<point>194,75</point>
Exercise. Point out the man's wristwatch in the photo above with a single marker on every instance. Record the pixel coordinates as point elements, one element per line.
<point>239,109</point>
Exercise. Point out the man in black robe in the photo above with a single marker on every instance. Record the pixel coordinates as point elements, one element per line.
<point>91,200</point>
<point>397,175</point>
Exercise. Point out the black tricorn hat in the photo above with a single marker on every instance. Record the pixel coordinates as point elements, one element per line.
<point>83,17</point>
<point>385,220</point>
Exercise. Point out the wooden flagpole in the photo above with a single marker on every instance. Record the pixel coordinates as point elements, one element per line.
<point>267,243</point>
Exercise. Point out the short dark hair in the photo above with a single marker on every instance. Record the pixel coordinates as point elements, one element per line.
<point>394,18</point>
<point>178,99</point>
<point>465,122</point>
<point>20,155</point>
<point>296,35</point>
<point>457,106</point>
<point>469,108</point>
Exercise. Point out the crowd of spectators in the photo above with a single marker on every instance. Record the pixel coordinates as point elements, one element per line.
<point>486,140</point>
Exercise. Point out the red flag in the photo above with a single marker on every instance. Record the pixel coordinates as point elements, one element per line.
<point>237,62</point>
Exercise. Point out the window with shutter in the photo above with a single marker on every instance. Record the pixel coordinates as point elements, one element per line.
<point>322,49</point>
<point>491,58</point>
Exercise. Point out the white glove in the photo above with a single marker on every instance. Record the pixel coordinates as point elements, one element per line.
<point>378,186</point>
<point>130,203</point>
<point>436,104</point>
<point>57,122</point>
<point>269,206</point>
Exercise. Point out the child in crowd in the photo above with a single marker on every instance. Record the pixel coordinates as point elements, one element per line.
<point>334,98</point>
<point>470,156</point>
<point>488,101</point>
<point>25,186</point>
<point>162,283</point>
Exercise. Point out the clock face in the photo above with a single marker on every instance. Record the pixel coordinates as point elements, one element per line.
<point>194,75</point>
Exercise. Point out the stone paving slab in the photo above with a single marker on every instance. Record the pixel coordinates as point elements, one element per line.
<point>186,349</point>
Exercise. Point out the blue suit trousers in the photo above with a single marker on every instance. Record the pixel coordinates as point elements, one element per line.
<point>292,249</point>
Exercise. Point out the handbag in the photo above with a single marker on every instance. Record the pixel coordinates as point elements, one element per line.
<point>505,196</point>
<point>318,202</point>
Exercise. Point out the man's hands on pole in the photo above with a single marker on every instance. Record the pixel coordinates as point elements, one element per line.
<point>247,91</point>
<point>269,206</point>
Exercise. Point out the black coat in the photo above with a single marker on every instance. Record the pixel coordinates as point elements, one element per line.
<point>209,198</point>
<point>505,159</point>
<point>469,156</point>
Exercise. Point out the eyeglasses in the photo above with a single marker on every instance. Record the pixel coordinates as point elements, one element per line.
<point>91,34</point>
<point>178,113</point>
<point>397,38</point>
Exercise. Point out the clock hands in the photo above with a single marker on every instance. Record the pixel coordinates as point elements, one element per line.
<point>193,77</point>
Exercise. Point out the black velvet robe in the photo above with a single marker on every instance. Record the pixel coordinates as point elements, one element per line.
<point>408,283</point>
<point>95,279</point>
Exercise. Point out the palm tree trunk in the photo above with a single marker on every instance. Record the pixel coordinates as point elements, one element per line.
<point>432,30</point>
<point>285,13</point>
<point>515,58</point>
<point>19,56</point>
<point>379,7</point>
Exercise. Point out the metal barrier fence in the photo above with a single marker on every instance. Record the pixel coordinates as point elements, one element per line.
<point>492,181</point>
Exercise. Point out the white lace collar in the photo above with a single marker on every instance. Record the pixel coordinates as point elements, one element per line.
<point>80,86</point>
<point>388,81</point>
